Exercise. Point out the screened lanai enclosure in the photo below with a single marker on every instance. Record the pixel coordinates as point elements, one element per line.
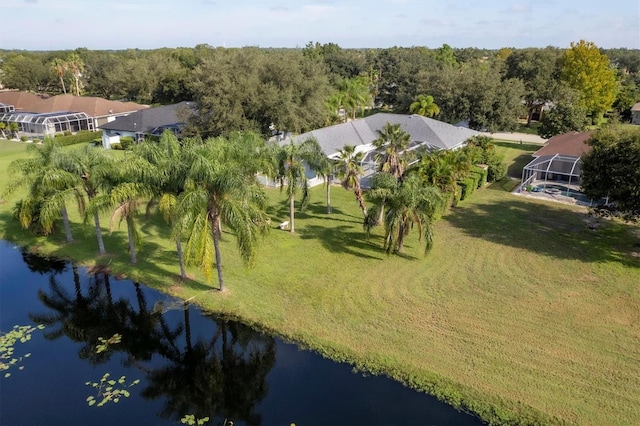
<point>553,169</point>
<point>40,125</point>
<point>556,176</point>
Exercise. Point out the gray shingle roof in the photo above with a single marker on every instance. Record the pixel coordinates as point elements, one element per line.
<point>146,120</point>
<point>362,131</point>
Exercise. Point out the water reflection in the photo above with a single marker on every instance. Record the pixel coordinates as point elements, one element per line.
<point>187,362</point>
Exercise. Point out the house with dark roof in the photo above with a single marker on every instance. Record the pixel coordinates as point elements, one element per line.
<point>147,122</point>
<point>425,132</point>
<point>559,160</point>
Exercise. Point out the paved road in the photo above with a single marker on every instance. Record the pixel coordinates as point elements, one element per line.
<point>524,137</point>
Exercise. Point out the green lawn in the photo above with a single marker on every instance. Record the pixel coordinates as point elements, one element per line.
<point>519,311</point>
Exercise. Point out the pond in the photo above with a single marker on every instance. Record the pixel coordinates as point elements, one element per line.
<point>172,360</point>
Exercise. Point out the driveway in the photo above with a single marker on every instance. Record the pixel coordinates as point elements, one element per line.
<point>510,136</point>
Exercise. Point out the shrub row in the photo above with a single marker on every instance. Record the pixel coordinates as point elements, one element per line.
<point>80,137</point>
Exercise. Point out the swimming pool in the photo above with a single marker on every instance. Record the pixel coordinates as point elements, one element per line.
<point>558,189</point>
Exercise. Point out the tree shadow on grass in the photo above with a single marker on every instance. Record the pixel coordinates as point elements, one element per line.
<point>312,210</point>
<point>343,239</point>
<point>546,230</point>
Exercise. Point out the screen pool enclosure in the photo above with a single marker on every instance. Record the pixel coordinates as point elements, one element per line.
<point>48,124</point>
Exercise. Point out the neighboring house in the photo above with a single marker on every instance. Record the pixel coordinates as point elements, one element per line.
<point>41,125</point>
<point>635,114</point>
<point>41,115</point>
<point>101,110</point>
<point>558,161</point>
<point>147,122</point>
<point>425,132</point>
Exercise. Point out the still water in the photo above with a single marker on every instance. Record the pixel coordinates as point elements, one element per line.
<point>186,362</point>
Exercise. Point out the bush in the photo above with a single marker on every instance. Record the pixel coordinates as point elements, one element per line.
<point>497,169</point>
<point>24,138</point>
<point>67,132</point>
<point>126,142</point>
<point>37,140</point>
<point>117,146</point>
<point>483,172</point>
<point>80,137</point>
<point>468,185</point>
<point>477,178</point>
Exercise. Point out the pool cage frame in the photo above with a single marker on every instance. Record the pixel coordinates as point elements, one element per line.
<point>552,169</point>
<point>41,125</point>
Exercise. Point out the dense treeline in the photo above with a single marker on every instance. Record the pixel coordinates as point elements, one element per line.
<point>300,89</point>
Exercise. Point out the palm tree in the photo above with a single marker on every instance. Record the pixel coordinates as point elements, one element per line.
<point>425,106</point>
<point>168,181</point>
<point>60,67</point>
<point>49,187</point>
<point>219,190</point>
<point>75,64</point>
<point>293,160</point>
<point>443,169</point>
<point>349,170</point>
<point>129,182</point>
<point>410,204</point>
<point>95,168</point>
<point>3,126</point>
<point>382,187</point>
<point>355,94</point>
<point>392,141</point>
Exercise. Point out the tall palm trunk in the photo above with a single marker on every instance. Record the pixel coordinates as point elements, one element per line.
<point>67,225</point>
<point>329,195</point>
<point>402,231</point>
<point>183,272</point>
<point>358,192</point>
<point>96,219</point>
<point>64,89</point>
<point>381,215</point>
<point>132,246</point>
<point>291,214</point>
<point>216,245</point>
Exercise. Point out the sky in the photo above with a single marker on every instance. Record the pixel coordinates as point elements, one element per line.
<point>150,24</point>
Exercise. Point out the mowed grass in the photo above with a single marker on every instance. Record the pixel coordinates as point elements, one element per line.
<point>520,312</point>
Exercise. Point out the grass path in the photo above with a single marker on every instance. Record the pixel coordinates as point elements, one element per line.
<point>520,312</point>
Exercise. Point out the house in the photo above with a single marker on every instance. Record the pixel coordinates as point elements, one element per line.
<point>558,161</point>
<point>635,114</point>
<point>39,115</point>
<point>425,132</point>
<point>147,122</point>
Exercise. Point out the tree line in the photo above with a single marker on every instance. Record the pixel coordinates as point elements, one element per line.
<point>297,90</point>
<point>200,185</point>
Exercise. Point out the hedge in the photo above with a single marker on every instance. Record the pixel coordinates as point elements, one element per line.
<point>80,137</point>
<point>484,173</point>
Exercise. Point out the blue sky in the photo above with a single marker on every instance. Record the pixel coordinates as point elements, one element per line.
<point>146,24</point>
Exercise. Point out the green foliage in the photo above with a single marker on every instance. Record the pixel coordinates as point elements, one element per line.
<point>24,138</point>
<point>425,106</point>
<point>126,142</point>
<point>483,172</point>
<point>612,168</point>
<point>67,133</point>
<point>80,137</point>
<point>8,340</point>
<point>190,419</point>
<point>110,390</point>
<point>117,146</point>
<point>566,115</point>
<point>468,186</point>
<point>589,72</point>
<point>106,343</point>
